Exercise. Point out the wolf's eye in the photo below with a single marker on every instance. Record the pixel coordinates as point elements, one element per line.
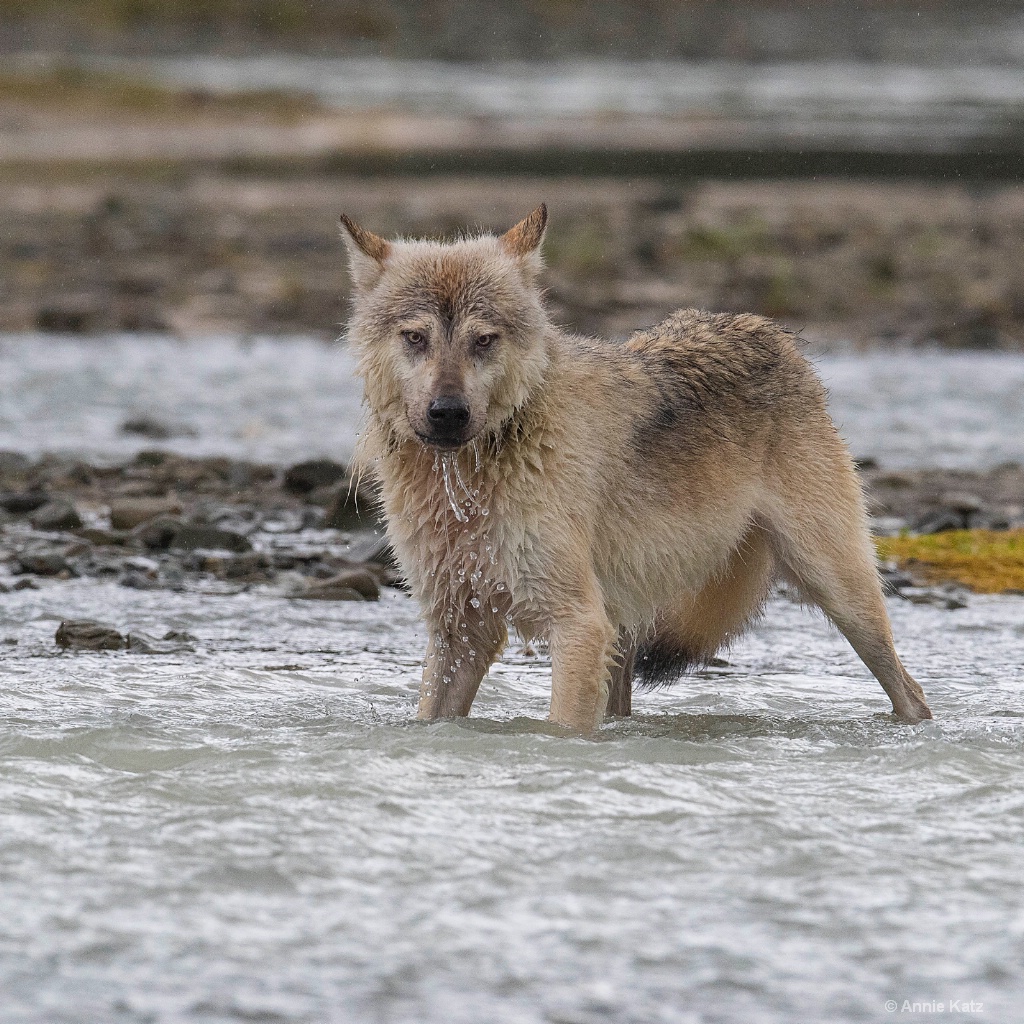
<point>486,340</point>
<point>416,339</point>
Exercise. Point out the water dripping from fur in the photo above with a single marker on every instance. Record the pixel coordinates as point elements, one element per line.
<point>454,483</point>
<point>449,488</point>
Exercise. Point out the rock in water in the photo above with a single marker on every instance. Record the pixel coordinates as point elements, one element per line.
<point>355,584</point>
<point>127,513</point>
<point>58,514</point>
<point>304,477</point>
<point>85,635</point>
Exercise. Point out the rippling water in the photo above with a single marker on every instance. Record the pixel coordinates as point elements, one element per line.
<point>256,830</point>
<point>252,828</point>
<point>281,399</point>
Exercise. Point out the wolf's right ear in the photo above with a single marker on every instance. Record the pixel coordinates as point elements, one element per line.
<point>367,253</point>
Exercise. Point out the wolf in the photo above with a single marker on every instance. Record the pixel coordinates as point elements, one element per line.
<point>629,502</point>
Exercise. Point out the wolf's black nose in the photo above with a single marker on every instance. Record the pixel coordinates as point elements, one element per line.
<point>448,413</point>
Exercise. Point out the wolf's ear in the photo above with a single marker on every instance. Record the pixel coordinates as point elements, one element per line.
<point>367,253</point>
<point>523,240</point>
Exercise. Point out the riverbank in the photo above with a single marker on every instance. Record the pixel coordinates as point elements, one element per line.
<point>134,206</point>
<point>191,251</point>
<point>220,525</point>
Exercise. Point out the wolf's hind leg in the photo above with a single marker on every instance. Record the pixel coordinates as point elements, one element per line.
<point>620,685</point>
<point>454,667</point>
<point>690,632</point>
<point>826,551</point>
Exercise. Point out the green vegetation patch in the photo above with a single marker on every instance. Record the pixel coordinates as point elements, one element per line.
<point>987,561</point>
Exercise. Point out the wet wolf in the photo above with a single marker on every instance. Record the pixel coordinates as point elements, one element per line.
<point>623,501</point>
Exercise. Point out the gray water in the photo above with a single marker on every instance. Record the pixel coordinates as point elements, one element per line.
<point>887,104</point>
<point>253,828</point>
<point>279,399</point>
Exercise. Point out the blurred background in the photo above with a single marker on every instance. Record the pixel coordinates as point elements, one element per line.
<point>217,810</point>
<point>848,166</point>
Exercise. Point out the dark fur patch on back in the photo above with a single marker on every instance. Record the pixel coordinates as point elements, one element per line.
<point>661,660</point>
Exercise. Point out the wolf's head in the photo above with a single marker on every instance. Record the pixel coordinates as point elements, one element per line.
<point>450,336</point>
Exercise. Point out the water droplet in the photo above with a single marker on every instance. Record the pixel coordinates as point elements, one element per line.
<point>475,602</point>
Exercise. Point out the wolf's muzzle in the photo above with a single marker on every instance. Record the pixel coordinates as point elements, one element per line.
<point>448,417</point>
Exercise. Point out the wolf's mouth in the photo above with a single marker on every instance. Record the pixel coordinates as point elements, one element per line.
<point>445,442</point>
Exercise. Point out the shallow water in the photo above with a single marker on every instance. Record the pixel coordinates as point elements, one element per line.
<point>287,399</point>
<point>869,102</point>
<point>256,830</point>
<point>253,828</point>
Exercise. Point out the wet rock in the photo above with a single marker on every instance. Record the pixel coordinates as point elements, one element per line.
<point>181,635</point>
<point>154,429</point>
<point>57,514</point>
<point>158,533</point>
<point>25,584</point>
<point>250,567</point>
<point>961,502</point>
<point>24,502</point>
<point>138,642</point>
<point>79,314</point>
<point>949,599</point>
<point>356,584</point>
<point>44,563</point>
<point>128,513</point>
<point>304,477</point>
<point>190,537</point>
<point>134,579</point>
<point>86,635</point>
<point>939,522</point>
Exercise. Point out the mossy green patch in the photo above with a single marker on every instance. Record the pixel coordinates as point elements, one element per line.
<point>987,561</point>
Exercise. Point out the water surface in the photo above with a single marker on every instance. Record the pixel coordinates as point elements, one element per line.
<point>285,399</point>
<point>255,829</point>
<point>251,826</point>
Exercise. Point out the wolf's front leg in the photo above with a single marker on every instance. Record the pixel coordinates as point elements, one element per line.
<point>458,657</point>
<point>582,660</point>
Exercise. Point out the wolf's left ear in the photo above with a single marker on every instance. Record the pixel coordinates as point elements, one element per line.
<point>523,240</point>
<point>367,253</point>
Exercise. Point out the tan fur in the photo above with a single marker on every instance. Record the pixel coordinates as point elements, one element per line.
<point>594,494</point>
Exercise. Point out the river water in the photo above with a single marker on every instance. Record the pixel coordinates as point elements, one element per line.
<point>891,104</point>
<point>252,828</point>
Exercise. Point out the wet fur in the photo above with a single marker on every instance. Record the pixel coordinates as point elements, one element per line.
<point>608,495</point>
